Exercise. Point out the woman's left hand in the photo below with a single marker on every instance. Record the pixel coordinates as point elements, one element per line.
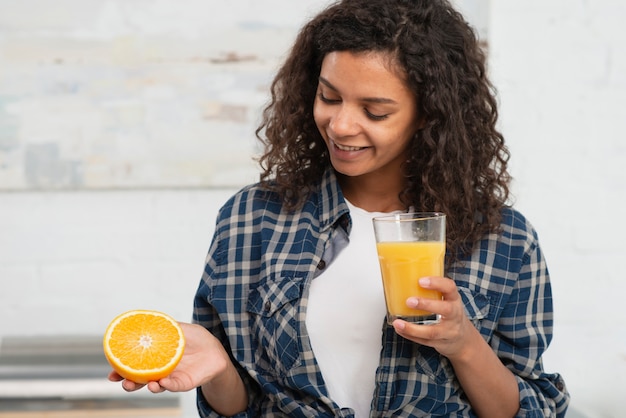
<point>449,336</point>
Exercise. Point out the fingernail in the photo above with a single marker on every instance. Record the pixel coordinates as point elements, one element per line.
<point>424,281</point>
<point>412,302</point>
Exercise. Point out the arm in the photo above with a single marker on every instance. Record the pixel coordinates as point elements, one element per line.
<point>227,392</point>
<point>222,386</point>
<point>490,387</point>
<point>205,364</point>
<point>518,340</point>
<point>524,332</point>
<point>227,396</point>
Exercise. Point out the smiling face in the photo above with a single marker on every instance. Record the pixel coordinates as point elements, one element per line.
<point>366,115</point>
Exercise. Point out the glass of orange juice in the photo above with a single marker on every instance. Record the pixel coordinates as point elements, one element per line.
<point>410,246</point>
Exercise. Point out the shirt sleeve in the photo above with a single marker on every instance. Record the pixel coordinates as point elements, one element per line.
<point>205,314</point>
<point>524,333</point>
<point>213,325</point>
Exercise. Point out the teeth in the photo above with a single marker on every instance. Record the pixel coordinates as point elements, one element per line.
<point>344,148</point>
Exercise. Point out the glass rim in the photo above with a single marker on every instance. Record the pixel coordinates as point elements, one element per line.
<point>409,216</point>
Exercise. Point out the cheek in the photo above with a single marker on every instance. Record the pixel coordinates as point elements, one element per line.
<point>393,141</point>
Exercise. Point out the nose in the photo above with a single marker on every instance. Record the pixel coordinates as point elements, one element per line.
<point>343,121</point>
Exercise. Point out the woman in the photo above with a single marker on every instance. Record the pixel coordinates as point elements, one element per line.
<point>381,107</point>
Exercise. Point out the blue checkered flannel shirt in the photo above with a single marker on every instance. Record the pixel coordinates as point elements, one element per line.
<point>253,297</point>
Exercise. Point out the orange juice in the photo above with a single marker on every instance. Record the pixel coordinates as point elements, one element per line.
<point>402,264</point>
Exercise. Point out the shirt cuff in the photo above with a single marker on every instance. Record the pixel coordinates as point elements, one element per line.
<point>544,397</point>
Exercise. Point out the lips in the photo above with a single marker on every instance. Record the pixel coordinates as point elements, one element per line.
<point>347,148</point>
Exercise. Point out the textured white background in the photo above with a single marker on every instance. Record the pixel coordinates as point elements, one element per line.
<point>143,93</point>
<point>70,260</point>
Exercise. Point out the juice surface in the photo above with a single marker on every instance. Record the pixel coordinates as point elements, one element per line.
<point>402,264</point>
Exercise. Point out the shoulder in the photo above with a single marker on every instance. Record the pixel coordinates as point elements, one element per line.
<point>513,245</point>
<point>508,248</point>
<point>248,200</point>
<point>517,229</point>
<point>240,221</point>
<point>256,204</point>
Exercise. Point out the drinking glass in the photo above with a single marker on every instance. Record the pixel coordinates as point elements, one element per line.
<point>410,246</point>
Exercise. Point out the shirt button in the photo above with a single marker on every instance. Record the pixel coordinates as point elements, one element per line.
<point>321,265</point>
<point>268,306</point>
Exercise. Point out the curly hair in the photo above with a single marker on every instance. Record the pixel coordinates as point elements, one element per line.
<point>457,162</point>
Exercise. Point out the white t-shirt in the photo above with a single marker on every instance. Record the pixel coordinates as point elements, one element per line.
<point>345,314</point>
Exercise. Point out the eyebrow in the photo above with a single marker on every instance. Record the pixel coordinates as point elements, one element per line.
<point>383,100</point>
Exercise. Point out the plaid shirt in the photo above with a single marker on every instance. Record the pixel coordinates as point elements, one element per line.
<point>253,297</point>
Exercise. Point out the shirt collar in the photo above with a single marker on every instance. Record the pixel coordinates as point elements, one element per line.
<point>333,207</point>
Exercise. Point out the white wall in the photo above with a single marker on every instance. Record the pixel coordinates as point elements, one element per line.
<point>70,261</point>
<point>560,67</point>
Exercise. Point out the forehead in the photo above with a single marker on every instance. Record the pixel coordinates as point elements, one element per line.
<point>384,59</point>
<point>377,71</point>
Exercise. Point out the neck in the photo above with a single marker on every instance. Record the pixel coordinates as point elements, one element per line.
<point>372,194</point>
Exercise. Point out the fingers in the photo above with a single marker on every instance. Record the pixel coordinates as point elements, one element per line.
<point>445,307</point>
<point>446,337</point>
<point>165,384</point>
<point>127,385</point>
<point>422,334</point>
<point>446,286</point>
<point>450,307</point>
<point>114,377</point>
<point>155,387</point>
<point>130,386</point>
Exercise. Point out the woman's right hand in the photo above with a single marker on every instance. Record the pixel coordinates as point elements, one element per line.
<point>204,360</point>
<point>205,363</point>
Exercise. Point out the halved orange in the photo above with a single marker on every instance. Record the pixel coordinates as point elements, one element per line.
<point>143,345</point>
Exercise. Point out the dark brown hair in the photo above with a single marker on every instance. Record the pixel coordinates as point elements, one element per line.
<point>457,161</point>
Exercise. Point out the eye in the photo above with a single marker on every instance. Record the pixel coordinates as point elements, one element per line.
<point>326,99</point>
<point>375,117</point>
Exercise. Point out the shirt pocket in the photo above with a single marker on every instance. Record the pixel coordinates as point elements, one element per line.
<point>273,307</point>
<point>433,364</point>
<point>476,305</point>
